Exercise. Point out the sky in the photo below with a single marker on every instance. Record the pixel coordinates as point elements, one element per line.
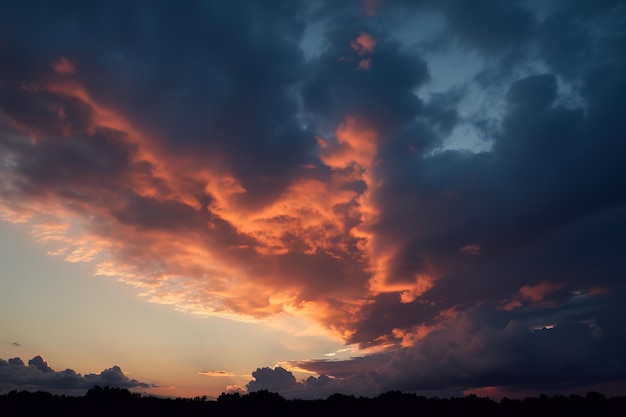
<point>313,197</point>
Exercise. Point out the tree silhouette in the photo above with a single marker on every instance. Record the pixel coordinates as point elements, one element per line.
<point>110,401</point>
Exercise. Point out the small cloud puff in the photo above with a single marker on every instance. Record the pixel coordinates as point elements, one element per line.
<point>63,66</point>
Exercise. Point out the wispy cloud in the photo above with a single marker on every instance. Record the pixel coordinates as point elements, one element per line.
<point>221,374</point>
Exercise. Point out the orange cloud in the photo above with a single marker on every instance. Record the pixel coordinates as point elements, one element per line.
<point>422,284</point>
<point>411,336</point>
<point>356,143</point>
<point>305,252</point>
<point>364,43</point>
<point>534,294</point>
<point>222,374</point>
<point>364,64</point>
<point>539,291</point>
<point>63,66</point>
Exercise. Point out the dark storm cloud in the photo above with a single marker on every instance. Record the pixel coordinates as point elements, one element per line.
<point>38,376</point>
<point>274,380</point>
<point>152,213</point>
<point>529,204</point>
<point>39,363</point>
<point>381,94</point>
<point>485,346</point>
<point>545,205</point>
<point>569,36</point>
<point>207,77</point>
<point>489,25</point>
<point>16,361</point>
<point>322,178</point>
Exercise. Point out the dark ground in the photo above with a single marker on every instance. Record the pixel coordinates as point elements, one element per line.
<point>119,402</point>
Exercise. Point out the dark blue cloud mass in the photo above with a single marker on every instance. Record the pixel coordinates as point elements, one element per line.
<point>325,154</point>
<point>38,376</point>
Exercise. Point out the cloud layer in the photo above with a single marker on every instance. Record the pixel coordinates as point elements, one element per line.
<point>258,159</point>
<point>38,376</point>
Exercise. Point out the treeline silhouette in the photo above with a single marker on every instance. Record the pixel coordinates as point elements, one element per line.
<point>118,401</point>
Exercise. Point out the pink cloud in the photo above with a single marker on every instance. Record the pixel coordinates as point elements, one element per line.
<point>364,44</point>
<point>534,294</point>
<point>470,249</point>
<point>63,66</point>
<point>144,224</point>
<point>539,291</point>
<point>355,143</point>
<point>364,64</point>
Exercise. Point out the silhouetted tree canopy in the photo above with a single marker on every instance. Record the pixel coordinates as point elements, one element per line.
<point>109,401</point>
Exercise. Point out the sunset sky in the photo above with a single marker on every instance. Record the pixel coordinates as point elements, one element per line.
<point>313,197</point>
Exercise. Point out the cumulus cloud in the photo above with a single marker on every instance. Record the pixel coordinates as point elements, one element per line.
<point>253,179</point>
<point>282,381</point>
<point>38,376</point>
<point>40,364</point>
<point>16,361</point>
<point>275,380</point>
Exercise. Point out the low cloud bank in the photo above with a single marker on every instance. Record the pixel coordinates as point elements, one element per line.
<point>37,375</point>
